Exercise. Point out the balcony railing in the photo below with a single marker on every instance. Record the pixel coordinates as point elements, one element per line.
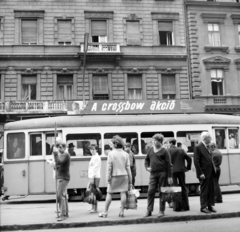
<point>33,106</point>
<point>102,48</point>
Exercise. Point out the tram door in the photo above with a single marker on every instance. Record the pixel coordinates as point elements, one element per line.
<point>15,165</point>
<point>40,171</point>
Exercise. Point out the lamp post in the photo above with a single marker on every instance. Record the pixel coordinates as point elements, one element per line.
<point>84,61</point>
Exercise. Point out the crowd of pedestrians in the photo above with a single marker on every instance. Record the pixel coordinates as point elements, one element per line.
<point>166,163</point>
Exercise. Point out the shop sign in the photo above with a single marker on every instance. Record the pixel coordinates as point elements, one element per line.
<point>136,107</point>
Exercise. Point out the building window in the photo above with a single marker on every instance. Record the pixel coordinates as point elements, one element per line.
<point>100,88</point>
<point>133,33</point>
<point>165,33</point>
<point>64,33</point>
<point>29,31</point>
<point>214,34</point>
<point>29,27</point>
<point>65,87</point>
<point>168,87</point>
<point>29,88</point>
<point>99,31</point>
<point>217,81</point>
<point>134,86</point>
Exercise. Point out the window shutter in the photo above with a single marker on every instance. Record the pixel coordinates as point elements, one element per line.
<point>99,28</point>
<point>133,33</point>
<point>29,31</point>
<point>168,84</point>
<point>100,85</point>
<point>29,80</point>
<point>64,30</point>
<point>165,26</point>
<point>64,80</point>
<point>135,82</point>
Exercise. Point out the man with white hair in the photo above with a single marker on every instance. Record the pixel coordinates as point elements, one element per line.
<point>205,170</point>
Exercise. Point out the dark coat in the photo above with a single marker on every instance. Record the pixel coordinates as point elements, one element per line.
<point>178,158</point>
<point>203,161</point>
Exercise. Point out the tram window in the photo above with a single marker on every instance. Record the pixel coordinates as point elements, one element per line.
<point>233,141</point>
<point>128,137</point>
<point>16,146</point>
<point>50,140</point>
<point>146,137</point>
<point>83,141</point>
<point>220,138</point>
<point>188,139</point>
<point>36,144</point>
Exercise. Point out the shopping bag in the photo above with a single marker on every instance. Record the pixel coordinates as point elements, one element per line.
<point>90,198</point>
<point>131,202</point>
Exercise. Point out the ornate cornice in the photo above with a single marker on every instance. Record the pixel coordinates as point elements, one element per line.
<point>29,13</point>
<point>237,62</point>
<point>217,62</point>
<point>98,15</point>
<point>209,48</point>
<point>165,16</point>
<point>213,18</point>
<point>235,18</point>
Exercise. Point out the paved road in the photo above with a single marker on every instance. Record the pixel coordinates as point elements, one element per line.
<point>28,214</point>
<point>214,225</point>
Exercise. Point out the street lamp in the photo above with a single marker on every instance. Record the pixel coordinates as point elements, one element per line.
<point>84,61</point>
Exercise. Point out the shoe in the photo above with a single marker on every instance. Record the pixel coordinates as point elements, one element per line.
<point>205,210</point>
<point>61,218</point>
<point>148,214</point>
<point>218,201</point>
<point>104,215</point>
<point>161,214</point>
<point>93,211</point>
<point>211,209</point>
<point>121,214</point>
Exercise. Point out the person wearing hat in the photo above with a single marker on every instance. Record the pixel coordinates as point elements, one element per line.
<point>71,149</point>
<point>178,158</point>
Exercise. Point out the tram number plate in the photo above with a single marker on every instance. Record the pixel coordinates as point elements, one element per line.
<point>84,174</point>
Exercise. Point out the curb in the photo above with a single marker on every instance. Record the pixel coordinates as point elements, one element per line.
<point>117,222</point>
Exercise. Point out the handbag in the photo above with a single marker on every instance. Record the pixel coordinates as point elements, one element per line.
<point>171,193</point>
<point>131,202</point>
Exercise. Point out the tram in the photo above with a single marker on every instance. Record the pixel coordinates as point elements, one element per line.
<point>27,147</point>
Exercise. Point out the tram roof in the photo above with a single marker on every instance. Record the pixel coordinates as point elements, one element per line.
<point>121,120</point>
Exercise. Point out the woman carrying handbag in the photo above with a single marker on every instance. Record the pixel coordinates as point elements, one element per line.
<point>118,175</point>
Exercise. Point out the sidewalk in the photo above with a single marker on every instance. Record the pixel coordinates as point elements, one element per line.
<point>29,214</point>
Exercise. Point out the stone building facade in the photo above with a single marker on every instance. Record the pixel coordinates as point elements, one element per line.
<point>136,50</point>
<point>214,53</point>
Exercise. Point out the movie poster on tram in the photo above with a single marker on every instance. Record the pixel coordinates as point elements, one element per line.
<point>136,107</point>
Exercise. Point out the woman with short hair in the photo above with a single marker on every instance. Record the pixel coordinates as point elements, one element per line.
<point>118,175</point>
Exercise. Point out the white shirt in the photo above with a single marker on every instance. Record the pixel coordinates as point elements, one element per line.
<point>94,167</point>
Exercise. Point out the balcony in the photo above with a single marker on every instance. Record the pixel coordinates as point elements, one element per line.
<point>16,107</point>
<point>102,48</point>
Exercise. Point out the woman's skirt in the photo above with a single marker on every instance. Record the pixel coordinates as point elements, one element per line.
<point>118,184</point>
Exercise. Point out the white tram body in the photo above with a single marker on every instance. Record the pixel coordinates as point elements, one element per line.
<point>27,145</point>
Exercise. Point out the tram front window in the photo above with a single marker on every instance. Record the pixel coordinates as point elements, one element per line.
<point>16,146</point>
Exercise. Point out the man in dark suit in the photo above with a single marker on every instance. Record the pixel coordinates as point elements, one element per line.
<point>178,157</point>
<point>205,170</point>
